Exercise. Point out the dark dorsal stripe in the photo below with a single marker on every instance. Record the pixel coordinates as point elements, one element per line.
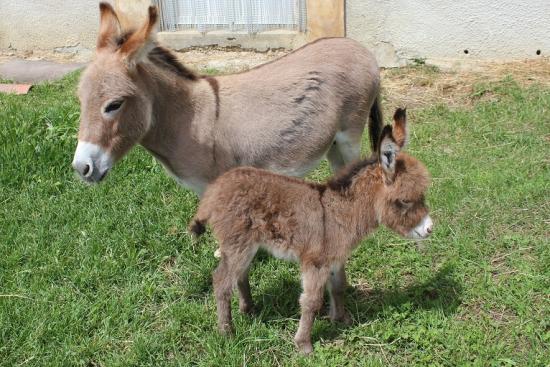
<point>162,57</point>
<point>216,90</point>
<point>344,179</point>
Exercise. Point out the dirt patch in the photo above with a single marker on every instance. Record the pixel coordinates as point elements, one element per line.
<point>426,85</point>
<point>478,309</point>
<point>225,61</point>
<point>58,57</point>
<point>413,86</point>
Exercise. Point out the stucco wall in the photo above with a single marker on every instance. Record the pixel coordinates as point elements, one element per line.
<point>401,30</point>
<point>397,30</point>
<point>48,24</point>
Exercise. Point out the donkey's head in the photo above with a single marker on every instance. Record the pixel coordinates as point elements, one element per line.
<point>401,205</point>
<point>116,110</point>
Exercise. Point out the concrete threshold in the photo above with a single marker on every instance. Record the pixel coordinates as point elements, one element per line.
<point>262,41</point>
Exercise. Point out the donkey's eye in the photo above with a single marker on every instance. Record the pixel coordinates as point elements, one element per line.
<point>403,204</point>
<point>113,106</point>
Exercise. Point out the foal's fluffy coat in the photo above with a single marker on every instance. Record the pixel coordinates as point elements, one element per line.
<point>316,225</point>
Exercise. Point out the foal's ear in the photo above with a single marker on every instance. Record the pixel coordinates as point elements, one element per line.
<point>138,45</point>
<point>387,152</point>
<point>109,27</point>
<point>400,129</point>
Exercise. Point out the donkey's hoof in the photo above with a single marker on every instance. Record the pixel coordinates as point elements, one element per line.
<point>226,330</point>
<point>217,253</point>
<point>344,318</point>
<point>304,346</point>
<point>247,309</point>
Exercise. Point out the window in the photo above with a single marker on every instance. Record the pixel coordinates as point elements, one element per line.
<point>251,16</point>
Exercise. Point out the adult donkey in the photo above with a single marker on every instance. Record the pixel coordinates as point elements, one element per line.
<point>284,116</point>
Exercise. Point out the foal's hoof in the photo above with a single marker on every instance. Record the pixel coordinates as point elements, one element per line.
<point>217,253</point>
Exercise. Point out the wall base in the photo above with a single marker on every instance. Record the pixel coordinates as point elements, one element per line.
<point>262,41</point>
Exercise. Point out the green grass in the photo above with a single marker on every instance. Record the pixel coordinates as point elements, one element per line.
<point>107,276</point>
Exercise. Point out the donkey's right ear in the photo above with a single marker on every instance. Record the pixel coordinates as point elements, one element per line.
<point>109,27</point>
<point>387,152</point>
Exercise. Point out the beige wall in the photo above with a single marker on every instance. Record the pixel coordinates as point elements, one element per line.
<point>397,30</point>
<point>325,19</point>
<point>48,24</point>
<point>401,30</point>
<point>65,25</point>
<point>132,13</point>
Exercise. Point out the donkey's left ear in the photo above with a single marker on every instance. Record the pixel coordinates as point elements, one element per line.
<point>400,129</point>
<point>136,48</point>
<point>387,152</point>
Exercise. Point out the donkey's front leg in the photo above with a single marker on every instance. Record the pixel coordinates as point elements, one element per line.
<point>313,280</point>
<point>337,286</point>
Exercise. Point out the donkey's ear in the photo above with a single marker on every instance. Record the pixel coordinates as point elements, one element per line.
<point>400,129</point>
<point>109,27</point>
<point>138,45</point>
<point>387,152</point>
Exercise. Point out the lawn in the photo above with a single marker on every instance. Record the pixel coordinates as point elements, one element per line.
<point>106,275</point>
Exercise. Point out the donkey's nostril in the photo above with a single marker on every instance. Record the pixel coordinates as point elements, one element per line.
<point>85,169</point>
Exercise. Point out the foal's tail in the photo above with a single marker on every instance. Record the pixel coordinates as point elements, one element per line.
<point>197,227</point>
<point>375,123</point>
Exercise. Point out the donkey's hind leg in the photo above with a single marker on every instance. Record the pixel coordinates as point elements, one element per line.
<point>345,149</point>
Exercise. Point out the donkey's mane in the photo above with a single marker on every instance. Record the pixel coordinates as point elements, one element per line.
<point>342,180</point>
<point>165,59</point>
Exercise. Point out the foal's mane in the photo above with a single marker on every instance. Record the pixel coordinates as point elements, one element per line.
<point>343,179</point>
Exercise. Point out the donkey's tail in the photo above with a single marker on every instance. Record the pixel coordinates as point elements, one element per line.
<point>375,123</point>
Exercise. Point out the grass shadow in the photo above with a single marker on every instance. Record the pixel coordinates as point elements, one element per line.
<point>440,292</point>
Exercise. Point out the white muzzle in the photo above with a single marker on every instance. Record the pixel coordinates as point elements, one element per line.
<point>423,229</point>
<point>91,162</point>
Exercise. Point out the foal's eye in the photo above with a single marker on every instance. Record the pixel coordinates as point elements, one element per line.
<point>113,106</point>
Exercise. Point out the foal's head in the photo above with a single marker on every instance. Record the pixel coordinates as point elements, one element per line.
<point>400,204</point>
<point>115,105</point>
<point>392,182</point>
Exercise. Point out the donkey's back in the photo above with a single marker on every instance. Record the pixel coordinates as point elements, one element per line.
<point>287,114</point>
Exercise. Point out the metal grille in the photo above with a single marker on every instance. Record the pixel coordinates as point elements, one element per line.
<point>251,16</point>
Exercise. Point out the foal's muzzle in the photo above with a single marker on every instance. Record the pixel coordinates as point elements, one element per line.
<point>91,162</point>
<point>423,229</point>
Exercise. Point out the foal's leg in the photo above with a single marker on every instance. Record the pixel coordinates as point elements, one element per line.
<point>313,280</point>
<point>337,286</point>
<point>246,305</point>
<point>232,269</point>
<point>223,290</point>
